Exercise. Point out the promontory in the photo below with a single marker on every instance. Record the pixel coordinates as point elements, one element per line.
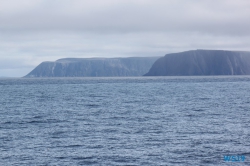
<point>94,67</point>
<point>202,62</point>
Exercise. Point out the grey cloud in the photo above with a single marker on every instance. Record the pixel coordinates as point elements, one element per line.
<point>223,17</point>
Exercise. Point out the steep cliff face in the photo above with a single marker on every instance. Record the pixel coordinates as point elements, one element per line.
<point>94,67</point>
<point>202,62</point>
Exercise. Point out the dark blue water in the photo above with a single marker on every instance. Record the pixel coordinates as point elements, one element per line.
<point>124,121</point>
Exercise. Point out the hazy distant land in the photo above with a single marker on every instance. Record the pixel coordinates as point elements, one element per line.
<point>94,67</point>
<point>188,63</point>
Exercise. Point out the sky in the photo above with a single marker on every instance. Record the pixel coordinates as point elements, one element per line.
<point>33,31</point>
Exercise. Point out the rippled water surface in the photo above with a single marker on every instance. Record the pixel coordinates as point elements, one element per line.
<point>124,121</point>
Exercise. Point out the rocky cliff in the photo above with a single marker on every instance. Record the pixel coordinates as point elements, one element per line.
<point>202,62</point>
<point>94,67</point>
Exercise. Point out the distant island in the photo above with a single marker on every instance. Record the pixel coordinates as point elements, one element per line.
<point>188,63</point>
<point>202,63</point>
<point>94,67</point>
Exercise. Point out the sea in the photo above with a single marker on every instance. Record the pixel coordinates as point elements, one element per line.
<point>138,121</point>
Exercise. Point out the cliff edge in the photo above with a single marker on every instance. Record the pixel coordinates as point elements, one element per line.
<point>202,62</point>
<point>94,67</point>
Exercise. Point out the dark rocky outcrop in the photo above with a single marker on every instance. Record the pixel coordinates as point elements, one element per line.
<point>202,62</point>
<point>94,67</point>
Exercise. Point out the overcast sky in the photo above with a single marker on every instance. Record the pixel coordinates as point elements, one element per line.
<point>32,31</point>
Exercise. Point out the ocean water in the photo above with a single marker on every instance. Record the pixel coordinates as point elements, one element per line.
<point>124,121</point>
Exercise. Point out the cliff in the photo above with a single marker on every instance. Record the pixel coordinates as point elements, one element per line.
<point>94,67</point>
<point>202,62</point>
